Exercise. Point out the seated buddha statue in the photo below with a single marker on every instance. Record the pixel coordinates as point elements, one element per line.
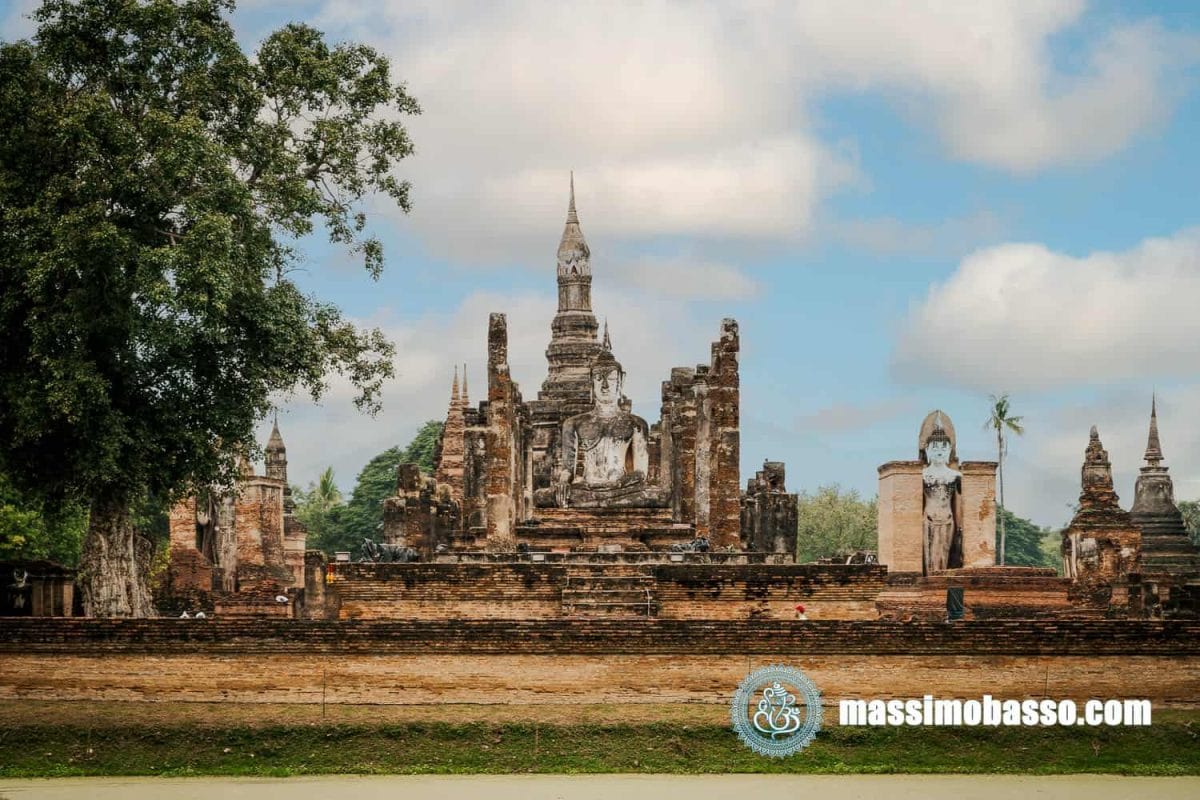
<point>603,459</point>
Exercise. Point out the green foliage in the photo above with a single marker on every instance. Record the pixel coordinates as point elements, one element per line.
<point>31,530</point>
<point>1191,518</point>
<point>420,449</point>
<point>1052,550</point>
<point>344,526</point>
<point>1024,540</point>
<point>151,177</point>
<point>833,522</point>
<point>35,749</point>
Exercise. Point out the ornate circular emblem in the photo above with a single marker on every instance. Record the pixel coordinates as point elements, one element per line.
<point>776,711</point>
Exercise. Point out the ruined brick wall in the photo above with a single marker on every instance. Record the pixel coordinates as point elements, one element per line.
<point>421,514</point>
<point>188,570</point>
<point>724,398</point>
<point>979,513</point>
<point>504,443</point>
<point>295,540</point>
<point>763,591</point>
<point>532,590</point>
<point>699,442</point>
<point>258,522</point>
<point>769,514</point>
<point>275,660</point>
<point>900,509</point>
<point>680,427</point>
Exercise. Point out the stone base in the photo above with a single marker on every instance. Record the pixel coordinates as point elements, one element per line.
<point>988,593</point>
<point>603,528</point>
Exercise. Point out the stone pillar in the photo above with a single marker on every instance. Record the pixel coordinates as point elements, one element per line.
<point>187,568</point>
<point>258,523</point>
<point>979,513</point>
<point>900,509</point>
<point>703,457</point>
<point>500,440</point>
<point>314,585</point>
<point>725,438</point>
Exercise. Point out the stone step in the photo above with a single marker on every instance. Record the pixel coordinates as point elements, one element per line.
<point>572,596</point>
<point>606,609</point>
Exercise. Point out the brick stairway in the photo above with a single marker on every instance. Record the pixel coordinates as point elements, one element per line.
<point>617,591</point>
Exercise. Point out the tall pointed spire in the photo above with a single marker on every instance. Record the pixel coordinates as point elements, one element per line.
<point>448,455</point>
<point>465,399</point>
<point>275,442</point>
<point>1154,454</point>
<point>573,332</point>
<point>572,216</point>
<point>607,341</point>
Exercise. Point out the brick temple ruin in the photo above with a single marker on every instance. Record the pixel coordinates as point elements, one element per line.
<point>574,470</point>
<point>570,505</point>
<point>242,547</point>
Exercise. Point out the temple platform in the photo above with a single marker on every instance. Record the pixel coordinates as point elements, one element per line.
<point>988,593</point>
<point>603,529</point>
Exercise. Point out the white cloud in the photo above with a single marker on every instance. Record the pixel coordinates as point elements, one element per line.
<point>1022,317</point>
<point>893,236</point>
<point>1042,472</point>
<point>684,279</point>
<point>841,418</point>
<point>694,120</point>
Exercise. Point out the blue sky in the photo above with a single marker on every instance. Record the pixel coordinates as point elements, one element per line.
<point>906,206</point>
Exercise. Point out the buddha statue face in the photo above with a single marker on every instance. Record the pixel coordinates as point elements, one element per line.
<point>606,387</point>
<point>938,452</point>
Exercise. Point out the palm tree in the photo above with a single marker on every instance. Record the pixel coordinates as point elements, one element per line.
<point>1001,420</point>
<point>326,494</point>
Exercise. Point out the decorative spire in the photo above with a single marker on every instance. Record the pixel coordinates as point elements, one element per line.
<point>573,251</point>
<point>465,400</point>
<point>1154,454</point>
<point>1097,474</point>
<point>275,442</point>
<point>571,215</point>
<point>454,389</point>
<point>607,341</point>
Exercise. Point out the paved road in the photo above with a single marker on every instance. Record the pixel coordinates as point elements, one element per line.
<point>606,787</point>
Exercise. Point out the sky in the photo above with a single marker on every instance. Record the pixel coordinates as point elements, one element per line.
<point>905,205</point>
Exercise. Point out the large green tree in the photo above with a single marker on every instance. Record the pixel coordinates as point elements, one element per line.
<point>29,529</point>
<point>153,180</point>
<point>344,526</point>
<point>834,522</point>
<point>1025,540</point>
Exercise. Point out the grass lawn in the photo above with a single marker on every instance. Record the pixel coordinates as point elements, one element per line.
<point>63,739</point>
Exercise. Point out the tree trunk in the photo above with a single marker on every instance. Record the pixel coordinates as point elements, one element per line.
<point>114,565</point>
<point>1000,467</point>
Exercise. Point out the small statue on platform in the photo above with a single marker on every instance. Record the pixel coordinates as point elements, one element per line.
<point>388,553</point>
<point>698,545</point>
<point>603,458</point>
<point>942,529</point>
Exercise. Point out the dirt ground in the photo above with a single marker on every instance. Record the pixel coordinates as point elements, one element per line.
<point>219,715</point>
